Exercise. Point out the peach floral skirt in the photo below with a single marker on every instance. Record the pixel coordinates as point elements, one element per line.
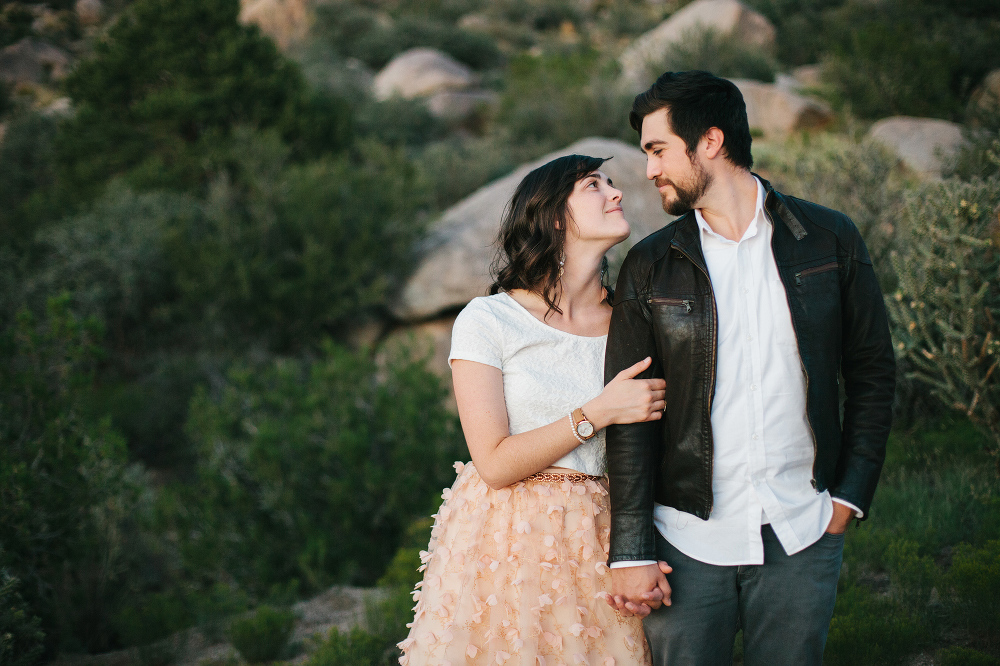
<point>518,576</point>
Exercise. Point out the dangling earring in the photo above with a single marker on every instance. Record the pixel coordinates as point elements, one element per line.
<point>562,264</point>
<point>604,270</point>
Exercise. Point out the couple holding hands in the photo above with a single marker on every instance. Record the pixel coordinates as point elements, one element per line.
<point>658,466</point>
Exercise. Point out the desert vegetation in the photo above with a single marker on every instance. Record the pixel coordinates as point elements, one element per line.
<point>201,236</point>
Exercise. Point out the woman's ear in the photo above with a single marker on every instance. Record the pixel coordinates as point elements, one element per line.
<point>559,224</point>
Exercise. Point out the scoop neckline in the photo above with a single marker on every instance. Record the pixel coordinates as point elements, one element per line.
<point>551,328</point>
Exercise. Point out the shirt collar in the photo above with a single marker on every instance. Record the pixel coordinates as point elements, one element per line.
<point>759,217</point>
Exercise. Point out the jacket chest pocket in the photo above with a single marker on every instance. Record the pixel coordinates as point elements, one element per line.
<point>675,319</point>
<point>810,275</point>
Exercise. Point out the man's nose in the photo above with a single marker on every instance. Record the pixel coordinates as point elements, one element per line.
<point>652,169</point>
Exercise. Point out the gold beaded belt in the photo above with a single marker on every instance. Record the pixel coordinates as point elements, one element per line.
<point>572,477</point>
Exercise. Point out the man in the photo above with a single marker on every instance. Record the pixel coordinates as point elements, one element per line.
<point>751,305</point>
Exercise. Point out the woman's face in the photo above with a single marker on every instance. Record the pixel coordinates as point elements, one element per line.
<point>596,212</point>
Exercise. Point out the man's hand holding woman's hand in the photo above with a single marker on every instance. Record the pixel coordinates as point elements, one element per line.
<point>638,590</point>
<point>628,400</point>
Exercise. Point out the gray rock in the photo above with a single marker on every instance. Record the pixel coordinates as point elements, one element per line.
<point>459,105</point>
<point>33,61</point>
<point>987,96</point>
<point>89,12</point>
<point>422,72</point>
<point>725,17</point>
<point>457,255</point>
<point>923,144</point>
<point>430,336</point>
<point>285,21</point>
<point>777,111</point>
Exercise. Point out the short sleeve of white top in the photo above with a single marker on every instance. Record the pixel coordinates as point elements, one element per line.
<point>547,373</point>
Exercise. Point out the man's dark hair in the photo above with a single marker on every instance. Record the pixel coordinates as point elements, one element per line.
<point>696,102</point>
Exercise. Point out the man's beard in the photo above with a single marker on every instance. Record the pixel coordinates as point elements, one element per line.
<point>687,194</point>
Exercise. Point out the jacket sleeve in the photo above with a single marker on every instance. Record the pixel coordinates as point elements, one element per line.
<point>868,364</point>
<point>631,447</point>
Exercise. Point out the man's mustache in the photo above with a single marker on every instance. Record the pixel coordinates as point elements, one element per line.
<point>660,182</point>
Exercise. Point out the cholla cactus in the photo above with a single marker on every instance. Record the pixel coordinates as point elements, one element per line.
<point>946,310</point>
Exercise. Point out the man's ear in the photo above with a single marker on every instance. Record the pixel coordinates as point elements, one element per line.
<point>711,142</point>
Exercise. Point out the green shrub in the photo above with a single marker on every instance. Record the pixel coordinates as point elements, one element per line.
<point>963,656</point>
<point>313,470</point>
<point>165,85</point>
<point>974,577</point>
<point>722,55</point>
<point>945,312</point>
<point>290,253</point>
<point>860,179</point>
<point>364,33</point>
<point>354,648</point>
<point>867,629</point>
<point>262,636</point>
<point>21,636</point>
<point>27,166</point>
<point>552,100</point>
<point>76,515</point>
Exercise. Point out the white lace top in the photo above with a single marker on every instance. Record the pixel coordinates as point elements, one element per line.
<point>547,373</point>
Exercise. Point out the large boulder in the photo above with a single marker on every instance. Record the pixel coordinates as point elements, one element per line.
<point>986,97</point>
<point>33,61</point>
<point>457,254</point>
<point>923,144</point>
<point>422,72</point>
<point>430,338</point>
<point>777,110</point>
<point>284,21</point>
<point>460,105</point>
<point>89,12</point>
<point>726,17</point>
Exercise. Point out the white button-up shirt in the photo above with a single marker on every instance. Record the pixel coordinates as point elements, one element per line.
<point>763,446</point>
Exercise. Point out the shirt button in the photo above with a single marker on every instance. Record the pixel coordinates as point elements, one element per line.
<point>755,436</point>
<point>750,338</point>
<point>753,387</point>
<point>745,290</point>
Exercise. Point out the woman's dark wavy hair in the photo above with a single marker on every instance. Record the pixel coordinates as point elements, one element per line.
<point>529,244</point>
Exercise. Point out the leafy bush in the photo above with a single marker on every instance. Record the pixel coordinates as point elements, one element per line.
<point>552,100</point>
<point>75,513</point>
<point>963,656</point>
<point>945,311</point>
<point>722,55</point>
<point>354,648</point>
<point>290,253</point>
<point>974,577</point>
<point>262,636</point>
<point>867,629</point>
<point>860,179</point>
<point>360,32</point>
<point>21,636</point>
<point>164,87</point>
<point>312,471</point>
<point>27,164</point>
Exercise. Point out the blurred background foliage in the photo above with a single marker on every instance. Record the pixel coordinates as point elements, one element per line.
<point>197,416</point>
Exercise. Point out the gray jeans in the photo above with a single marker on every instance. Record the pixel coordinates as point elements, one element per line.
<point>784,606</point>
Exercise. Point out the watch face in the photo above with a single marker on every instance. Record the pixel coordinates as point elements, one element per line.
<point>585,428</point>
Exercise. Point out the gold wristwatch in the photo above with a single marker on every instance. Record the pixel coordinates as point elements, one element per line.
<point>583,428</point>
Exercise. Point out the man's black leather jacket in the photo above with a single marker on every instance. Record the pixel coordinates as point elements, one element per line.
<point>664,307</point>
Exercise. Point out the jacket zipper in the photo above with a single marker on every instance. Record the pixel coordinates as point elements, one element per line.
<point>659,300</point>
<point>815,269</point>
<point>715,353</point>
<point>805,372</point>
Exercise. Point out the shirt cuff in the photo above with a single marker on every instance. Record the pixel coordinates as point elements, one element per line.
<point>858,513</point>
<point>630,563</point>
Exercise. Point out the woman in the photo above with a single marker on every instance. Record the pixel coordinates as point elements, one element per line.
<point>515,571</point>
